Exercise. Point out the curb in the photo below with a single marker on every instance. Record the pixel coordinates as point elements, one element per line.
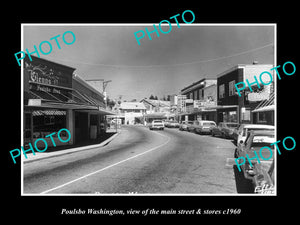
<point>41,156</point>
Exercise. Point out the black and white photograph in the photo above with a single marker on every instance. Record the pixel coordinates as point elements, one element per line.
<point>149,109</point>
<point>149,112</point>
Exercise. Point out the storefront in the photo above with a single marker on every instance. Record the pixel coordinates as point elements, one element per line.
<point>53,100</point>
<point>228,113</point>
<point>264,113</point>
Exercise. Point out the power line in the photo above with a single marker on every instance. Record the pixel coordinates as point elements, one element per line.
<point>170,65</point>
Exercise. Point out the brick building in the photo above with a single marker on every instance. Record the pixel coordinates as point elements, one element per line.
<point>235,108</point>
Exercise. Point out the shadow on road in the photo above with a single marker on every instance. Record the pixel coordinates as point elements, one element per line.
<point>243,185</point>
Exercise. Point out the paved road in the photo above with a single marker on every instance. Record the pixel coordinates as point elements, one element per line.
<point>138,161</point>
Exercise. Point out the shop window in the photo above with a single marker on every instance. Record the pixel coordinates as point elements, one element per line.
<point>261,117</point>
<point>49,120</point>
<point>222,91</point>
<point>232,88</point>
<point>230,116</point>
<point>45,124</point>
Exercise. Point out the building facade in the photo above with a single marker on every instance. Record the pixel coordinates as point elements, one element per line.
<point>133,112</point>
<point>234,108</point>
<point>200,100</point>
<point>55,98</point>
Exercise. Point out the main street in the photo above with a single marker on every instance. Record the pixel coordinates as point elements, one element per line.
<point>138,161</point>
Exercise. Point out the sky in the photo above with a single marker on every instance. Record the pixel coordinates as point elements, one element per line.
<point>161,66</point>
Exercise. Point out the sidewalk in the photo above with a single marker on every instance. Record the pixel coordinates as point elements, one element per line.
<point>68,149</point>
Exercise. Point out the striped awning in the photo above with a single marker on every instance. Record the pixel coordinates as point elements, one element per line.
<point>266,105</point>
<point>49,113</point>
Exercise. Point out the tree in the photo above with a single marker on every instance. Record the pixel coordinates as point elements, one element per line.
<point>155,98</point>
<point>151,97</point>
<point>110,103</point>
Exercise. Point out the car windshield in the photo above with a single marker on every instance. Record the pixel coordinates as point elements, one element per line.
<point>190,122</point>
<point>157,121</point>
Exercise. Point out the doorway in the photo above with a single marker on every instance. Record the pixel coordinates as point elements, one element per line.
<point>81,127</point>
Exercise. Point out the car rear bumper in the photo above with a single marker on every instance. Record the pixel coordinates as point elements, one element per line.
<point>157,128</point>
<point>207,131</point>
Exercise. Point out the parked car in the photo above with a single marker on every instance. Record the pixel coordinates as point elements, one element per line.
<point>203,126</point>
<point>263,180</point>
<point>193,126</point>
<point>216,131</point>
<point>254,141</point>
<point>185,124</point>
<point>166,123</point>
<point>172,124</point>
<point>224,129</point>
<point>156,125</point>
<point>241,131</point>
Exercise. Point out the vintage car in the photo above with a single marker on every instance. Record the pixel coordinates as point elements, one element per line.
<point>259,169</point>
<point>224,129</point>
<point>172,124</point>
<point>240,133</point>
<point>185,124</point>
<point>202,126</point>
<point>157,125</point>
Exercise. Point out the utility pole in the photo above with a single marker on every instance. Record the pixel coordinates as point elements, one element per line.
<point>104,85</point>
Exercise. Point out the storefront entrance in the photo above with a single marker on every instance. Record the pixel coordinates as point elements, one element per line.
<point>81,127</point>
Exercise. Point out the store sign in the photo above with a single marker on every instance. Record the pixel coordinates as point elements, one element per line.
<point>201,103</point>
<point>48,89</point>
<point>44,74</point>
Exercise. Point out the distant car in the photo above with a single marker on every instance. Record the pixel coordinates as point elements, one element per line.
<point>195,124</point>
<point>156,125</point>
<point>166,123</point>
<point>185,124</point>
<point>204,126</point>
<point>254,141</point>
<point>172,124</point>
<point>225,129</point>
<point>240,133</point>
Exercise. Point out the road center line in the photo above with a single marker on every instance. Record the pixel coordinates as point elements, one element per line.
<point>105,168</point>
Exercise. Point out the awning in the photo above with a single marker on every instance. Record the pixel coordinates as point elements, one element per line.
<point>64,99</point>
<point>266,105</point>
<point>265,108</point>
<point>48,113</point>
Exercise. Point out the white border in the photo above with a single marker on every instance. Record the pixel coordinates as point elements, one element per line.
<point>148,24</point>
